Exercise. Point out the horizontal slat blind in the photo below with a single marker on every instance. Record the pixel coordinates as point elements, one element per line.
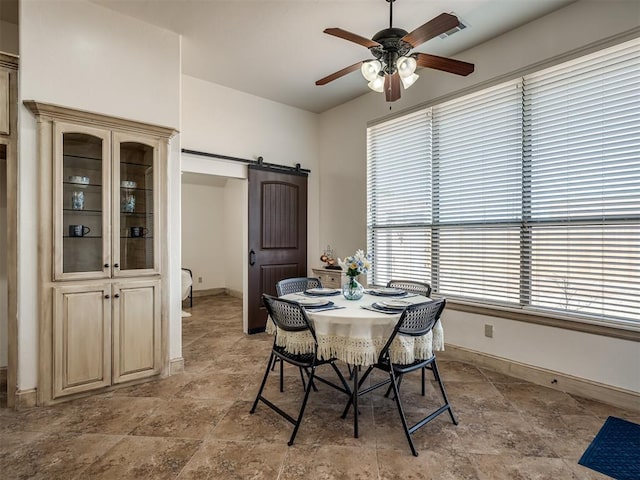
<point>527,193</point>
<point>477,147</point>
<point>399,198</point>
<point>582,137</point>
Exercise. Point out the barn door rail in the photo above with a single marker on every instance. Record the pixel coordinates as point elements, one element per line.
<point>258,163</point>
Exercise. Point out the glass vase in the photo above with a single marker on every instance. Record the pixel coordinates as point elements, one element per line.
<point>352,289</point>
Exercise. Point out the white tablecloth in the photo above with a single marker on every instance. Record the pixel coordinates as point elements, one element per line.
<point>356,336</point>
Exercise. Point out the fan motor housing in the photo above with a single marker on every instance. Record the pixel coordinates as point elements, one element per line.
<point>391,47</point>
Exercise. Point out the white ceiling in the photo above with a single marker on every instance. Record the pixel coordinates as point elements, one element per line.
<point>276,49</point>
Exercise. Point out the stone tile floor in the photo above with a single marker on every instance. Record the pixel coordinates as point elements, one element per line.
<point>197,425</point>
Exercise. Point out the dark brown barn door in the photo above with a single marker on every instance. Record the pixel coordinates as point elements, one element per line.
<point>277,235</point>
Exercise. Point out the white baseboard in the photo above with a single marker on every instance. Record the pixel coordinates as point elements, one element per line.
<point>26,398</point>
<point>208,292</point>
<point>618,397</point>
<point>176,365</point>
<point>233,293</point>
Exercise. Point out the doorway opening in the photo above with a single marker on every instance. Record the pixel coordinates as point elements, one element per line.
<point>213,226</point>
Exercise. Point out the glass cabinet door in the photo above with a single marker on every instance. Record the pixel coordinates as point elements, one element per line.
<point>135,182</point>
<point>81,206</point>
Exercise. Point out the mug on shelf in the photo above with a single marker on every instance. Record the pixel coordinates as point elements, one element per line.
<point>128,203</point>
<point>78,230</point>
<point>77,200</point>
<point>138,231</point>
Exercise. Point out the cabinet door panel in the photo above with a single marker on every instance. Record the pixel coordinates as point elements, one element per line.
<point>82,338</point>
<point>81,206</point>
<point>136,330</point>
<point>136,178</point>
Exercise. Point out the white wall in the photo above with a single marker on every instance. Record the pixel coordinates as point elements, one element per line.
<point>204,234</point>
<point>235,237</point>
<point>80,55</point>
<point>220,120</point>
<point>343,172</point>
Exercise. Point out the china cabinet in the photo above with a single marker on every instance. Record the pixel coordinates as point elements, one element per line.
<point>101,238</point>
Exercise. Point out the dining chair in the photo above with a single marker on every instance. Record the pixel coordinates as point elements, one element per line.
<point>285,287</point>
<point>419,288</point>
<point>411,286</point>
<point>290,317</point>
<point>416,320</point>
<point>297,285</point>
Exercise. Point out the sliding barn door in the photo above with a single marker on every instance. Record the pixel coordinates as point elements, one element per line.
<point>277,235</point>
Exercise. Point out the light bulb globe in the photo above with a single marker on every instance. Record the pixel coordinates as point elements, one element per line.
<point>370,69</point>
<point>377,84</point>
<point>406,66</point>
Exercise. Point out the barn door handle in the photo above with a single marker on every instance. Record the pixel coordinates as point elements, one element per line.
<point>252,258</point>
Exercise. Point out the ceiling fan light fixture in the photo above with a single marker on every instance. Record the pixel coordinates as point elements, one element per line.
<point>410,80</point>
<point>406,66</point>
<point>377,84</point>
<point>371,69</point>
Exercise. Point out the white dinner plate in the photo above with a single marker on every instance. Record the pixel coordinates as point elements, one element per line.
<point>313,302</point>
<point>395,303</point>
<point>388,291</point>
<point>320,291</point>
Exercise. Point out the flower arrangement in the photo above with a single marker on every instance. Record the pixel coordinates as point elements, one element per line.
<point>356,264</point>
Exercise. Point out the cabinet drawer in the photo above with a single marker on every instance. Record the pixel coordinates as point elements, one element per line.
<point>329,279</point>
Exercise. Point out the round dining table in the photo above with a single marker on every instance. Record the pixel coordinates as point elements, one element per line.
<point>355,331</point>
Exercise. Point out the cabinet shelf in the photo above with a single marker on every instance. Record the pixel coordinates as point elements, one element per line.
<point>74,211</point>
<point>135,214</point>
<point>90,186</point>
<point>82,157</point>
<point>85,237</point>
<point>139,189</point>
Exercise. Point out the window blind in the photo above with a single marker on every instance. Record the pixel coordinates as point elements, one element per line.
<point>525,194</point>
<point>582,141</point>
<point>477,147</point>
<point>399,198</point>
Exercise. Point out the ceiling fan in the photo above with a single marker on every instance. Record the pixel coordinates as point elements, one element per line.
<point>394,64</point>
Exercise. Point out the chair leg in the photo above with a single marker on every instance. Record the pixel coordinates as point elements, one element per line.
<point>264,381</point>
<point>281,376</point>
<point>396,392</point>
<point>302,408</point>
<point>423,381</point>
<point>390,387</point>
<point>436,374</point>
<point>341,377</point>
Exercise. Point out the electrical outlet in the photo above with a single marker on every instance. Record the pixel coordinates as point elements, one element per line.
<point>199,279</point>
<point>488,330</point>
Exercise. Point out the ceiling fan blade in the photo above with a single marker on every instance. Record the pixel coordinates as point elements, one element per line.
<point>352,37</point>
<point>392,87</point>
<point>434,27</point>
<point>445,64</point>
<point>339,73</point>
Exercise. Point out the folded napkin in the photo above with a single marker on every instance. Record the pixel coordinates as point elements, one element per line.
<point>325,308</point>
<point>377,293</point>
<point>388,311</point>
<point>318,307</point>
<point>321,294</point>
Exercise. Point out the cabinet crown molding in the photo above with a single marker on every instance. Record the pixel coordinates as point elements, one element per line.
<point>58,112</point>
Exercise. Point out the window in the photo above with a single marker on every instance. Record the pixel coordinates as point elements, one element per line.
<point>525,194</point>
